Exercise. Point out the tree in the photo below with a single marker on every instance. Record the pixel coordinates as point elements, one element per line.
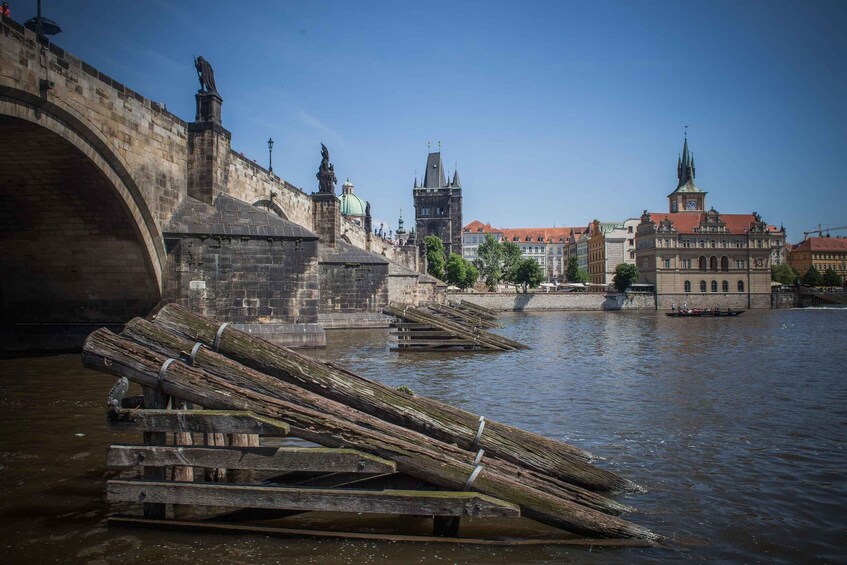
<point>625,275</point>
<point>582,276</point>
<point>572,274</point>
<point>812,277</point>
<point>471,276</point>
<point>434,256</point>
<point>490,261</point>
<point>512,256</point>
<point>528,273</point>
<point>831,278</point>
<point>783,273</point>
<point>456,270</point>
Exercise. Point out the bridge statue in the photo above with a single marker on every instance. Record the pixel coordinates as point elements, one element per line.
<point>206,75</point>
<point>326,173</point>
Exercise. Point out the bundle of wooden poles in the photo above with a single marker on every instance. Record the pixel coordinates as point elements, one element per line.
<point>551,481</point>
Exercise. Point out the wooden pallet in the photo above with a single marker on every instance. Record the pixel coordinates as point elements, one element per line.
<point>272,482</point>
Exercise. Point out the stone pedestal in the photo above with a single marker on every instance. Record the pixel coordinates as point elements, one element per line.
<point>208,149</point>
<point>326,218</point>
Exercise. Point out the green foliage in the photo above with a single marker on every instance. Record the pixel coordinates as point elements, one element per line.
<point>434,256</point>
<point>831,278</point>
<point>582,276</point>
<point>456,270</point>
<point>812,277</point>
<point>625,275</point>
<point>572,274</point>
<point>490,261</point>
<point>471,276</point>
<point>783,273</point>
<point>528,273</point>
<point>512,257</point>
<point>406,390</point>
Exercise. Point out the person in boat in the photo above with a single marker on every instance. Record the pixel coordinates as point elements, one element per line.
<point>685,306</point>
<point>673,306</point>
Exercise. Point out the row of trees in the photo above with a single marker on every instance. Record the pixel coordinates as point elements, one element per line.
<point>503,262</point>
<point>785,274</point>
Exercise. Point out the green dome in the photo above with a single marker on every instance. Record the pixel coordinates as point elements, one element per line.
<point>352,205</point>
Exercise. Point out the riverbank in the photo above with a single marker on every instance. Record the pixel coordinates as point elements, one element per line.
<point>552,301</point>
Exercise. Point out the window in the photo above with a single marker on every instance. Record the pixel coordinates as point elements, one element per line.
<point>740,286</point>
<point>687,286</point>
<point>725,286</point>
<point>724,263</point>
<point>702,262</point>
<point>686,263</point>
<point>702,286</point>
<point>739,263</point>
<point>629,229</point>
<point>667,263</point>
<point>713,263</point>
<point>714,286</point>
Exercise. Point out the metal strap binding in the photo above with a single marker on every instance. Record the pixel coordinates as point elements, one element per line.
<point>194,351</point>
<point>473,477</point>
<point>479,455</point>
<point>218,335</point>
<point>163,370</point>
<point>475,443</point>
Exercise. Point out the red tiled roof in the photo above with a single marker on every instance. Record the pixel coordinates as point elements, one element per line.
<point>822,244</point>
<point>553,235</point>
<point>478,227</point>
<point>685,222</point>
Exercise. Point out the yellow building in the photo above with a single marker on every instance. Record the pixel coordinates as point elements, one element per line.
<point>822,252</point>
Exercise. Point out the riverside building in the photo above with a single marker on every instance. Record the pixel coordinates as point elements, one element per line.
<point>702,257</point>
<point>822,252</point>
<point>438,205</point>
<point>609,245</point>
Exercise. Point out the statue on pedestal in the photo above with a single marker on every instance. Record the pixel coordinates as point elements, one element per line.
<point>326,173</point>
<point>206,75</point>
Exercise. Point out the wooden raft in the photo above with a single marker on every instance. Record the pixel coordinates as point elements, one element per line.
<point>257,389</point>
<point>435,327</point>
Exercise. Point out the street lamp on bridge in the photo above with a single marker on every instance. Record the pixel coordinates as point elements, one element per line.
<point>270,155</point>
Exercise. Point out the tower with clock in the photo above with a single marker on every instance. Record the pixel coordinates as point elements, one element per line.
<point>687,197</point>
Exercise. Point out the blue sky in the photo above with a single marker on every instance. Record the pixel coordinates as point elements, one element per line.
<point>556,112</point>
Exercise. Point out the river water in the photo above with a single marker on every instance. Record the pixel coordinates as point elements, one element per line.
<point>736,428</point>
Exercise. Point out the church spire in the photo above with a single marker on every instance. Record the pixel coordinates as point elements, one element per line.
<point>685,166</point>
<point>456,182</point>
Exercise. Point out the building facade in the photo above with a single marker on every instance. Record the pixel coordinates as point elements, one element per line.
<point>822,252</point>
<point>438,205</point>
<point>701,257</point>
<point>609,245</point>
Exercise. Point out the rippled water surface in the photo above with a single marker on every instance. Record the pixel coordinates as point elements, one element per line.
<point>736,428</point>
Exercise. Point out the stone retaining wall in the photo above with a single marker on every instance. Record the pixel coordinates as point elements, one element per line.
<point>541,301</point>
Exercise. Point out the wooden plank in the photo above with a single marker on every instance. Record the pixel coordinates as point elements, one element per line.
<point>282,459</point>
<point>155,398</point>
<point>406,502</point>
<point>241,529</point>
<point>202,421</point>
<point>417,334</point>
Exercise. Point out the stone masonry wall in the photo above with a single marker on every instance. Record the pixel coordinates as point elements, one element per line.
<point>245,280</point>
<point>353,288</point>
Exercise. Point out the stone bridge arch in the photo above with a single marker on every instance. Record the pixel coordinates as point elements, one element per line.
<point>78,243</point>
<point>271,206</point>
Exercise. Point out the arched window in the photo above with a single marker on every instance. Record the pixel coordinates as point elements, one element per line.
<point>713,263</point>
<point>702,286</point>
<point>725,286</point>
<point>740,286</point>
<point>702,262</point>
<point>724,263</point>
<point>687,286</point>
<point>714,286</point>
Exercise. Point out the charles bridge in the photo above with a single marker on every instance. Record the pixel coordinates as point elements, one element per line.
<point>111,205</point>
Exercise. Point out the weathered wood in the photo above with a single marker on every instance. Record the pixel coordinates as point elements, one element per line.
<point>198,421</point>
<point>578,471</point>
<point>466,318</point>
<point>242,440</point>
<point>242,529</point>
<point>445,526</point>
<point>431,417</point>
<point>485,339</point>
<point>417,455</point>
<point>182,473</point>
<point>408,502</point>
<point>154,398</point>
<point>282,459</point>
<point>478,310</point>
